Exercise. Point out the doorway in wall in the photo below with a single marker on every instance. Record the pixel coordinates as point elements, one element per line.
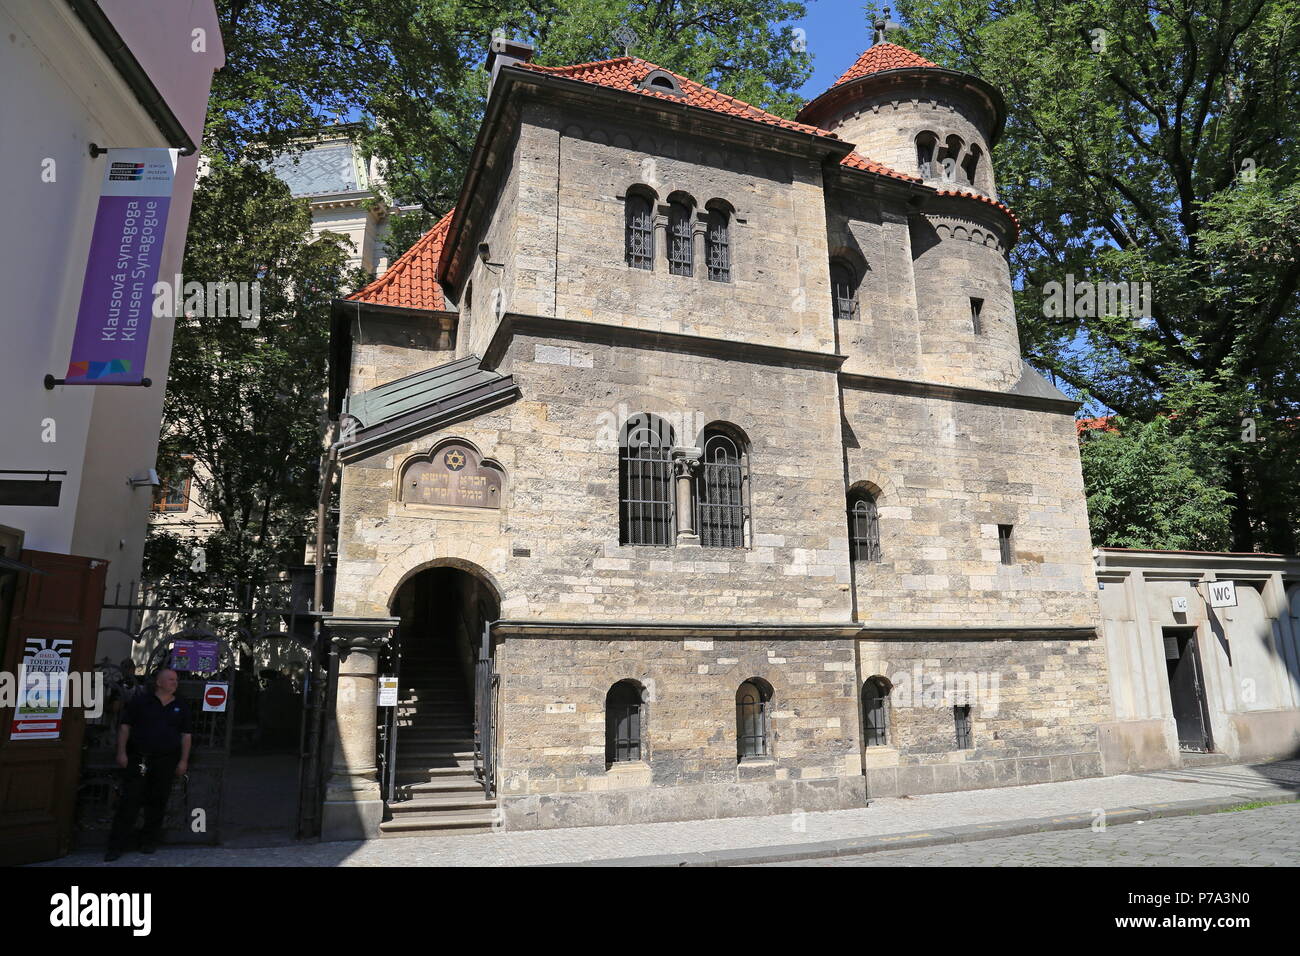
<point>1187,690</point>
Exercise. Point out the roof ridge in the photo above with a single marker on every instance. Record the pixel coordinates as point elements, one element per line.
<point>883,56</point>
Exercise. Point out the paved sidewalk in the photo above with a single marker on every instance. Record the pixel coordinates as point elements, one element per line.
<point>896,822</point>
<point>1269,836</point>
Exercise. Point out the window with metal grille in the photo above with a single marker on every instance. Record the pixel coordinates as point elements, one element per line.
<point>961,718</point>
<point>646,482</point>
<point>681,245</point>
<point>875,712</point>
<point>864,528</point>
<point>623,713</point>
<point>722,490</point>
<point>640,232</point>
<point>976,310</point>
<point>753,702</point>
<point>1004,544</point>
<point>844,290</point>
<point>718,243</point>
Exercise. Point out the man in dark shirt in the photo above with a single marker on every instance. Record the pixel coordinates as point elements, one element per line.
<point>153,746</point>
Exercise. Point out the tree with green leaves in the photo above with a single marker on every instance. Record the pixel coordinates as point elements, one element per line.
<point>1156,142</point>
<point>1148,488</point>
<point>243,410</point>
<point>411,72</point>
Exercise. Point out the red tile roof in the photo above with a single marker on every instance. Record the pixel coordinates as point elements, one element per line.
<point>1015,220</point>
<point>856,160</point>
<point>412,281</point>
<point>1103,423</point>
<point>626,72</point>
<point>881,57</point>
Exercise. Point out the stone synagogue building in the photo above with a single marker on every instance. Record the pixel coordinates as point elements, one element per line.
<point>690,468</point>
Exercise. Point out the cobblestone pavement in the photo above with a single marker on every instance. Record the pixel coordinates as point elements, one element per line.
<point>1267,836</point>
<point>883,816</point>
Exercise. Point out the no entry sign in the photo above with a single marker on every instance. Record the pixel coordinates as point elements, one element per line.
<point>215,697</point>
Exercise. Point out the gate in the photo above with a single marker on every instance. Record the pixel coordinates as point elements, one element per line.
<point>485,715</point>
<point>265,621</point>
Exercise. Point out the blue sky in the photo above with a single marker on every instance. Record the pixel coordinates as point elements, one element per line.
<point>837,33</point>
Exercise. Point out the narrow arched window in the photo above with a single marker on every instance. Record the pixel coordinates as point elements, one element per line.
<point>951,157</point>
<point>646,482</point>
<point>970,165</point>
<point>875,712</point>
<point>925,147</point>
<point>718,244</point>
<point>722,491</point>
<point>681,244</point>
<point>623,722</point>
<point>844,290</point>
<point>753,706</point>
<point>864,527</point>
<point>639,232</point>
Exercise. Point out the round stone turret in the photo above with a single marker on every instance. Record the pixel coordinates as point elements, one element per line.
<point>900,109</point>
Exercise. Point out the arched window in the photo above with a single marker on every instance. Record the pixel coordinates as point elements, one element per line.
<point>844,290</point>
<point>970,165</point>
<point>639,232</point>
<point>717,241</point>
<point>645,479</point>
<point>925,147</point>
<point>753,706</point>
<point>722,490</point>
<point>864,527</point>
<point>623,722</point>
<point>681,239</point>
<point>875,711</point>
<point>951,156</point>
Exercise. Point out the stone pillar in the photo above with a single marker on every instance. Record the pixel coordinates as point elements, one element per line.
<point>685,462</point>
<point>354,805</point>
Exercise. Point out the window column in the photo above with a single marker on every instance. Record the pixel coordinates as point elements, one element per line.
<point>686,461</point>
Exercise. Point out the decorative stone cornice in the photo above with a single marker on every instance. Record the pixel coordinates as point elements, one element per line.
<point>361,633</point>
<point>604,333</point>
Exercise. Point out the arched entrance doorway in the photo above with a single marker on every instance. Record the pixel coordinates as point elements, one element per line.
<point>429,744</point>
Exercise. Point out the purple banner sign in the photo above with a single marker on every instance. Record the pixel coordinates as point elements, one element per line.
<point>112,337</point>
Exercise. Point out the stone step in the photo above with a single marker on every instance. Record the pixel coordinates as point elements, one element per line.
<point>1193,759</point>
<point>442,821</point>
<point>426,803</point>
<point>465,783</point>
<point>428,774</point>
<point>418,741</point>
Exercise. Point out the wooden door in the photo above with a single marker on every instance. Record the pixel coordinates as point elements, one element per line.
<point>58,609</point>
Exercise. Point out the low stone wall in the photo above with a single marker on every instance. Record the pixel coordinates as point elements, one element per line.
<point>665,804</point>
<point>980,774</point>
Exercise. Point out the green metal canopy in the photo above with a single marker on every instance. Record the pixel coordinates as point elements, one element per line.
<point>399,410</point>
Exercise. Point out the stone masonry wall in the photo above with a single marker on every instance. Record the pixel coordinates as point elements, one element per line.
<point>956,258</point>
<point>559,448</point>
<point>571,172</point>
<point>1035,706</point>
<point>885,125</point>
<point>948,473</point>
<point>552,734</point>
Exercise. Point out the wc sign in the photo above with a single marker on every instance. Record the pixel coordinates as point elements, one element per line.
<point>1222,593</point>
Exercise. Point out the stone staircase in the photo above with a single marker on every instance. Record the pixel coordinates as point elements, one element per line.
<point>1192,760</point>
<point>437,791</point>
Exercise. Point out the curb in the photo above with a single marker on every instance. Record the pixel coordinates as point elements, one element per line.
<point>855,846</point>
